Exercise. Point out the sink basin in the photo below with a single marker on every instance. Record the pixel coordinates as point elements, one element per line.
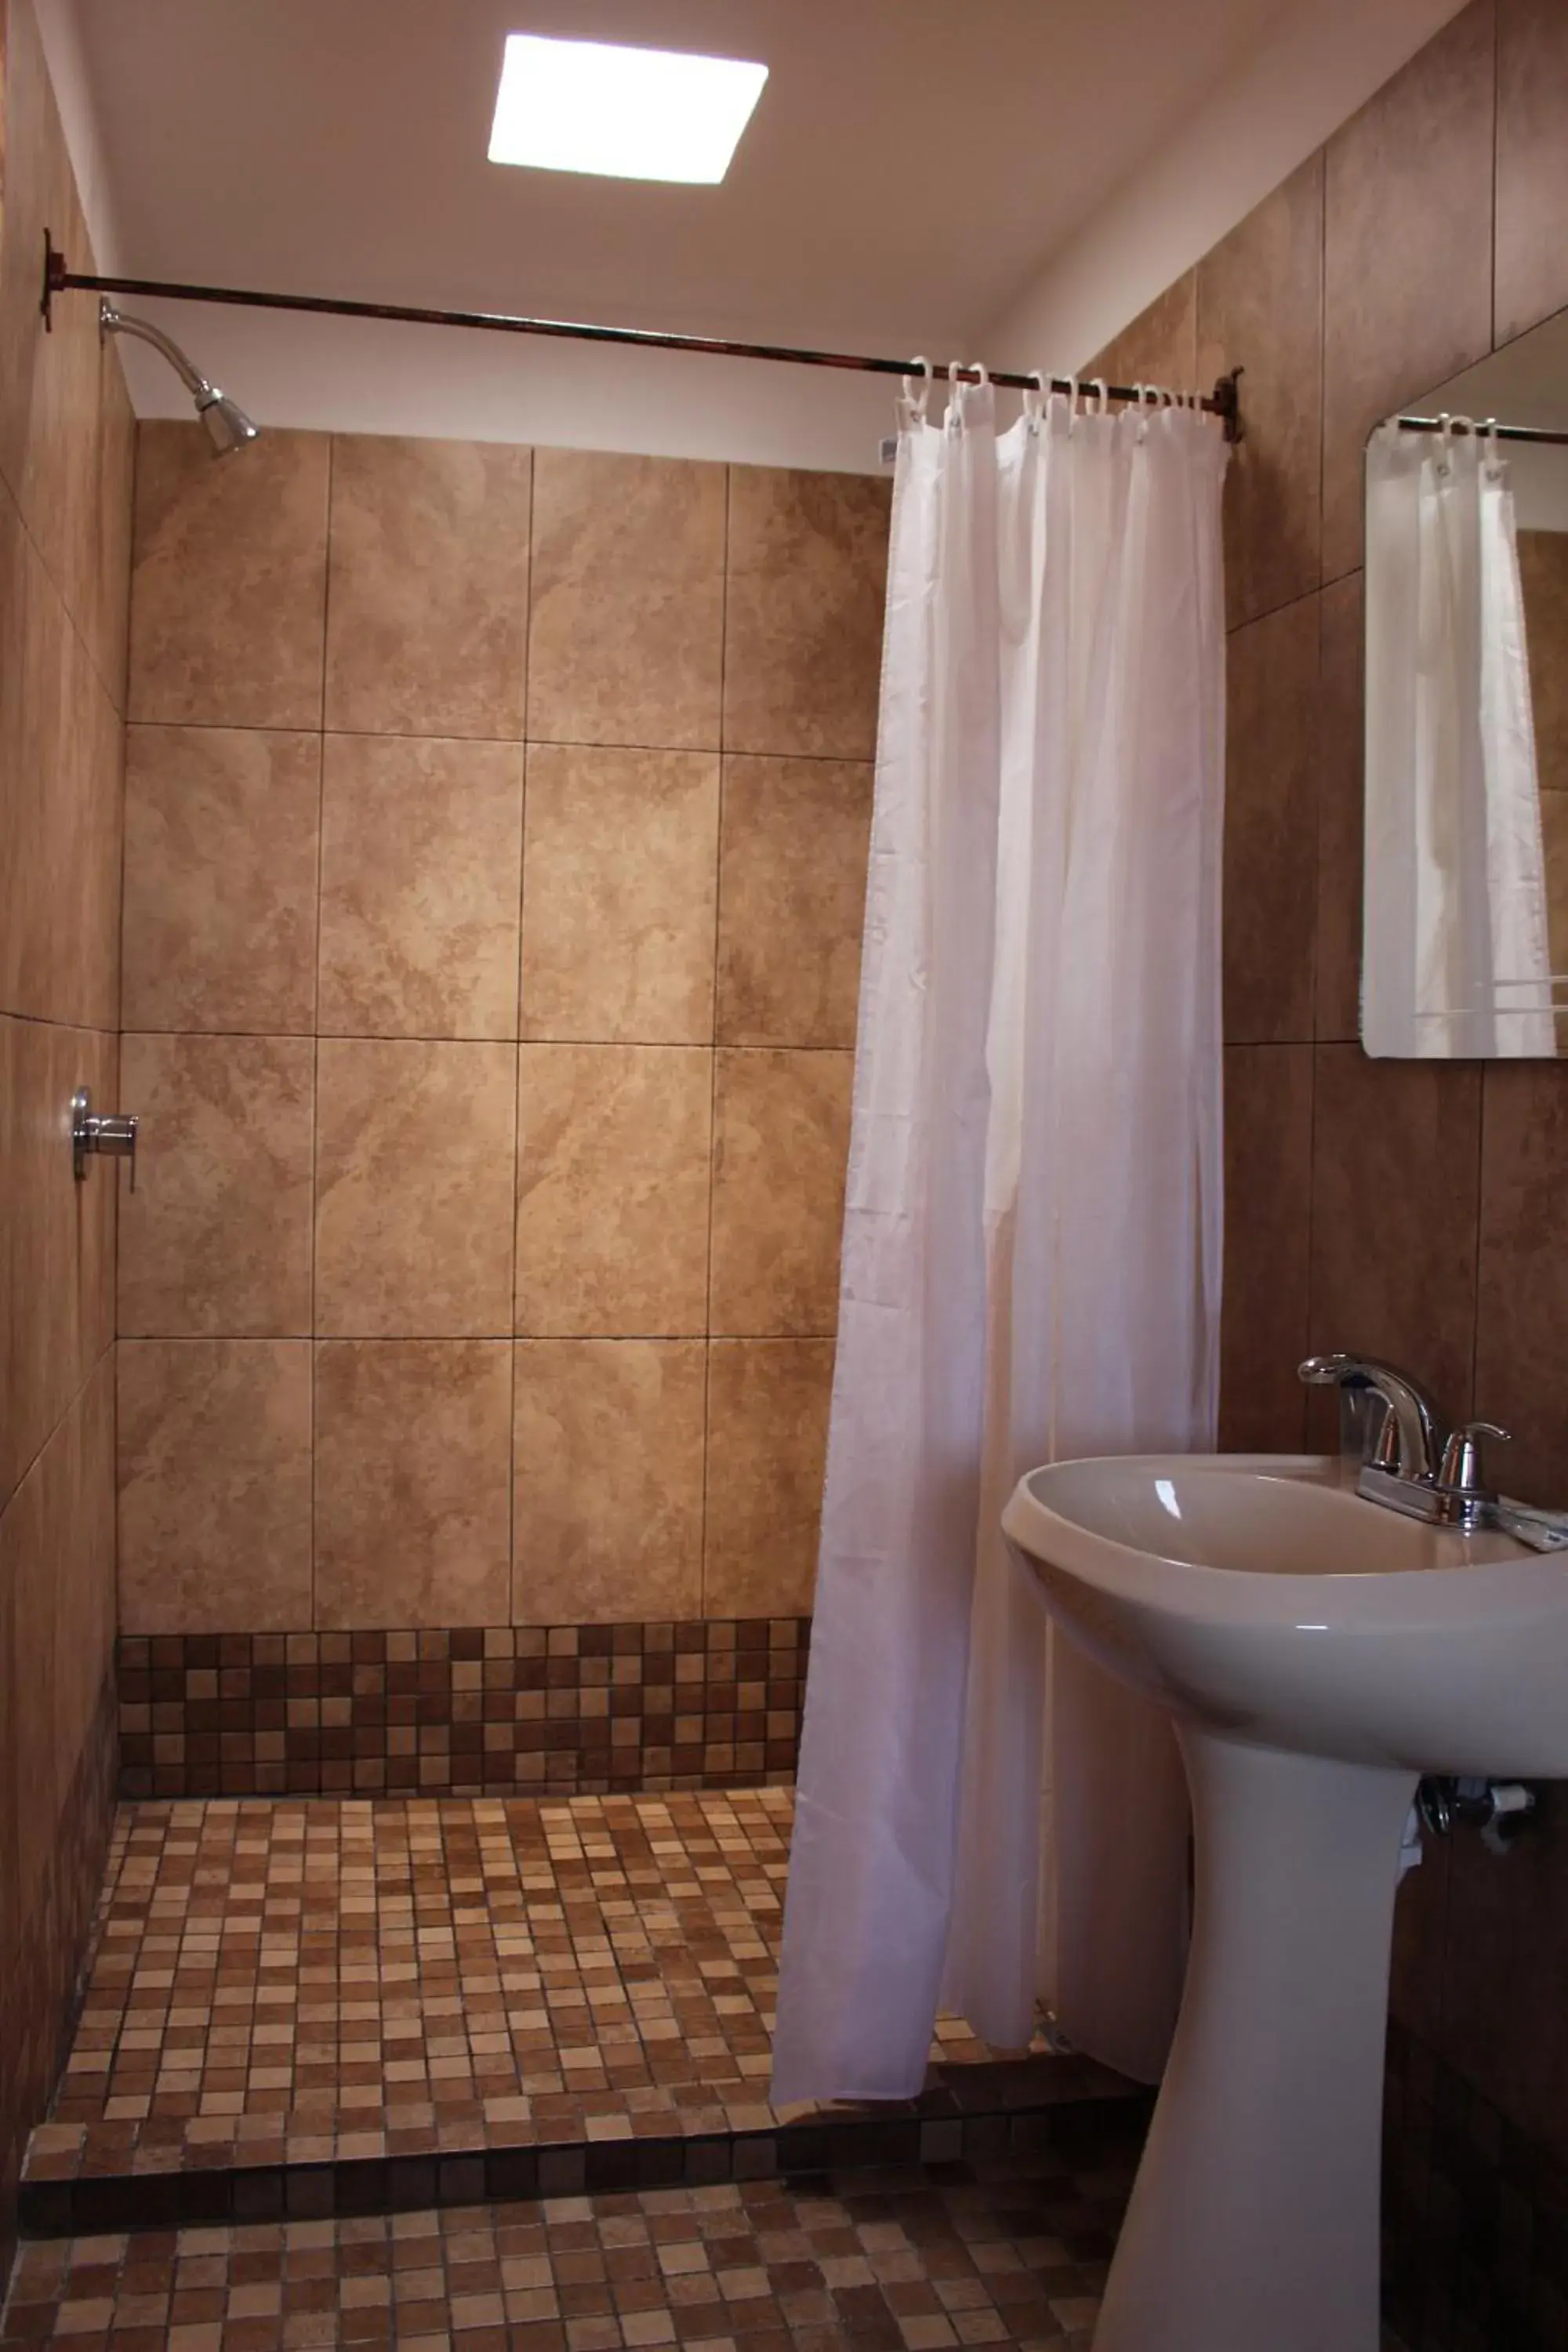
<point>1317,1654</point>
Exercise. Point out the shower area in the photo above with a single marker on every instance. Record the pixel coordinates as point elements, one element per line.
<point>451,855</point>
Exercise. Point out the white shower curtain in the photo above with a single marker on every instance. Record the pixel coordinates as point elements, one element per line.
<point>1032,1243</point>
<point>1456,957</point>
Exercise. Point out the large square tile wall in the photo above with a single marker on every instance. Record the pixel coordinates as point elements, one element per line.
<point>66,460</point>
<point>495,855</point>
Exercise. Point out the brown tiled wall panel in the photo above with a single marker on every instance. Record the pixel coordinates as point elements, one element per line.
<point>561,1710</point>
<point>66,460</point>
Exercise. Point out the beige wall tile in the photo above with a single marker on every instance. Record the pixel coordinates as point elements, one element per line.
<point>56,1636</point>
<point>1267,1191</point>
<point>1395,1158</point>
<point>57,1236</point>
<point>414,1153</point>
<point>767,1450</point>
<point>1340,787</point>
<point>107,628</point>
<point>791,900</point>
<point>618,894</point>
<point>1407,254</point>
<point>60,777</point>
<point>222,840</point>
<point>215,1485</point>
<point>625,633</point>
<point>1272,766</point>
<point>1260,305</point>
<point>48,377</point>
<point>608,1462</point>
<point>413,1511</point>
<point>613,1190</point>
<point>806,573</point>
<point>34,1536</point>
<point>1532,162</point>
<point>781,1138</point>
<point>421,874</point>
<point>228,580</point>
<point>428,610</point>
<point>1524,1274</point>
<point>1158,346</point>
<point>216,1237</point>
<point>83,1593</point>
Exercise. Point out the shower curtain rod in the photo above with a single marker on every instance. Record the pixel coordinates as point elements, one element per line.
<point>1483,431</point>
<point>60,278</point>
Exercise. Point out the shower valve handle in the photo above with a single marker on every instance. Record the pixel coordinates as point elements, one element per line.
<point>114,1134</point>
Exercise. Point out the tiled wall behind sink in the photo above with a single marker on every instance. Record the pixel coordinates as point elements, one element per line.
<point>495,852</point>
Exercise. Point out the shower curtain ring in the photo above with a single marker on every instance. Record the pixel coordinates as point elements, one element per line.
<point>915,402</point>
<point>1034,398</point>
<point>1097,384</point>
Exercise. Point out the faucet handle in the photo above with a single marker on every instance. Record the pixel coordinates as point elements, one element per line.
<point>1461,1468</point>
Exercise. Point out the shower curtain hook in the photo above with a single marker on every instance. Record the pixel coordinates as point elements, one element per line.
<point>1097,384</point>
<point>1035,397</point>
<point>914,403</point>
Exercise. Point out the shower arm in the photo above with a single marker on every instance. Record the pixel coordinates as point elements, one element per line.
<point>111,322</point>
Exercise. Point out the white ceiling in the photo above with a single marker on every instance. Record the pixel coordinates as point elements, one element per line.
<point>911,163</point>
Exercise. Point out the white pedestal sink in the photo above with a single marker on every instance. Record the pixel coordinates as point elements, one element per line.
<point>1318,1653</point>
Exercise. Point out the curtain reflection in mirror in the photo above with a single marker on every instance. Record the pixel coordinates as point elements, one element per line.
<point>1456,958</point>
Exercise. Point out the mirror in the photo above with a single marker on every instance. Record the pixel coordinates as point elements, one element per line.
<point>1465,929</point>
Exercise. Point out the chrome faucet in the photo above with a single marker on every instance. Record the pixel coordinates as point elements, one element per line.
<point>1411,1461</point>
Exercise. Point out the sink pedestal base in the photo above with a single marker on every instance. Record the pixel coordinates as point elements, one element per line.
<point>1254,2222</point>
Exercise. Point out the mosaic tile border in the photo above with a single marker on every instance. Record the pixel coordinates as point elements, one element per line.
<point>41,1975</point>
<point>1069,2127</point>
<point>894,2259</point>
<point>564,1710</point>
<point>1475,2216</point>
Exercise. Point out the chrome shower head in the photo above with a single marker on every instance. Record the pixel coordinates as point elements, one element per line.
<point>227,426</point>
<point>226,423</point>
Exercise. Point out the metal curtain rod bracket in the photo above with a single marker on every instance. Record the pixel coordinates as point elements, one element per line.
<point>1483,431</point>
<point>1224,402</point>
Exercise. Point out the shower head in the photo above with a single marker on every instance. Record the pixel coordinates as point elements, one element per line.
<point>227,426</point>
<point>226,423</point>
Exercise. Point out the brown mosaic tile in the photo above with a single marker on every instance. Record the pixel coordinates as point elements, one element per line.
<point>561,1709</point>
<point>329,1983</point>
<point>910,2259</point>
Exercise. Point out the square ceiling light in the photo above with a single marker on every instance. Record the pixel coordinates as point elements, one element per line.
<point>628,114</point>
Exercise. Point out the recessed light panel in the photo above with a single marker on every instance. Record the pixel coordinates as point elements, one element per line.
<point>628,114</point>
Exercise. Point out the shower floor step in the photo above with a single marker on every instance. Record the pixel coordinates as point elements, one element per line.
<point>320,2008</point>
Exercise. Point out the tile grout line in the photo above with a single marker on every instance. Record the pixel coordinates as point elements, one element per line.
<point>316,996</point>
<point>713,1113</point>
<point>515,1202</point>
<point>512,742</point>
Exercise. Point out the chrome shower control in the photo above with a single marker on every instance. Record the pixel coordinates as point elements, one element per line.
<point>114,1134</point>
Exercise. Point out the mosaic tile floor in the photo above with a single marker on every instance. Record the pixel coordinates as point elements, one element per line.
<point>910,2261</point>
<point>305,1981</point>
